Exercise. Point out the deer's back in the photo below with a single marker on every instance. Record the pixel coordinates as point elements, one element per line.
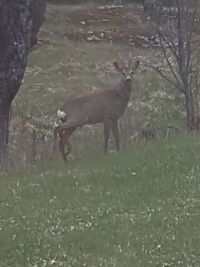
<point>93,108</point>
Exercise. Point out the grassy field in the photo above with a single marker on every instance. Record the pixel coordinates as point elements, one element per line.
<point>137,208</point>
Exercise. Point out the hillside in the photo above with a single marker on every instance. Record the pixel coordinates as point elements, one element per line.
<point>77,47</point>
<point>139,207</point>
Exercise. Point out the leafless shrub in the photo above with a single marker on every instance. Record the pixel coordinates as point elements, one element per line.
<point>177,32</point>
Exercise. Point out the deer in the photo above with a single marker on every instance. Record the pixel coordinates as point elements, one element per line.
<point>100,107</point>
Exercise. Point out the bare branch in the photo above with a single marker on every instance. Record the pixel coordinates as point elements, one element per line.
<point>171,45</point>
<point>168,62</point>
<point>163,75</point>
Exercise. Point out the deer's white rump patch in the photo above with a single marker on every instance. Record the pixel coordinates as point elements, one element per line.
<point>61,114</point>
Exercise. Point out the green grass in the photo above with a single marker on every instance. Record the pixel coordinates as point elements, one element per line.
<point>139,207</point>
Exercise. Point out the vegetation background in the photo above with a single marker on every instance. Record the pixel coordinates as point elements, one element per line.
<point>139,207</point>
<point>77,47</point>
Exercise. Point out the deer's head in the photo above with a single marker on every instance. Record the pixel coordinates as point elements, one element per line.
<point>128,70</point>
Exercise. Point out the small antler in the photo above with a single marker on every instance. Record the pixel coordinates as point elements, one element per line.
<point>117,66</point>
<point>137,63</point>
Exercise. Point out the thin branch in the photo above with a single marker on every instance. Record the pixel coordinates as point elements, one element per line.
<point>195,47</point>
<point>171,45</point>
<point>168,62</point>
<point>167,78</point>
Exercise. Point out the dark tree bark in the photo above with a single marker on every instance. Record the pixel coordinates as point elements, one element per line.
<point>20,21</point>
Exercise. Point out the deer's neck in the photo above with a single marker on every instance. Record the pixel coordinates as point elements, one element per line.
<point>125,89</point>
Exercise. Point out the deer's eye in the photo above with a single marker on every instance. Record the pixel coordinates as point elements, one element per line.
<point>123,73</point>
<point>131,72</point>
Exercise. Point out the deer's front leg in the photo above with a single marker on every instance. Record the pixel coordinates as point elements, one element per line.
<point>107,127</point>
<point>115,132</point>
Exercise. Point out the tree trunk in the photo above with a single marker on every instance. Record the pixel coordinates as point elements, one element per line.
<point>20,21</point>
<point>4,123</point>
<point>190,112</point>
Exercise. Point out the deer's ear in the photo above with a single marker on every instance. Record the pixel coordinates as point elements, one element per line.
<point>117,66</point>
<point>137,64</point>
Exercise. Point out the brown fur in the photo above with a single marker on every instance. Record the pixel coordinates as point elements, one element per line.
<point>106,106</point>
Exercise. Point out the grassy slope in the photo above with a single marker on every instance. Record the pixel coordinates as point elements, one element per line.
<point>136,208</point>
<point>59,68</point>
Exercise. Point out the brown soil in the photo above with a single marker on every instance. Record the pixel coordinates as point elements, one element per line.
<point>95,23</point>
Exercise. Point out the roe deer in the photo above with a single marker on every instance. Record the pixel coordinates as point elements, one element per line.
<point>106,106</point>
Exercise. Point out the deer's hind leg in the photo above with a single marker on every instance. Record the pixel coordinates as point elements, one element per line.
<point>64,144</point>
